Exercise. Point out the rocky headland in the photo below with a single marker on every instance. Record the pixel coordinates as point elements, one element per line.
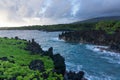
<point>96,37</point>
<point>26,60</point>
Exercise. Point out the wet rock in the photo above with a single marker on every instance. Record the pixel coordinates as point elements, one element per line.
<point>74,76</point>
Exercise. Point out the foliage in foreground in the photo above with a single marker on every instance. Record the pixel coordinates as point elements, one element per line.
<point>15,60</point>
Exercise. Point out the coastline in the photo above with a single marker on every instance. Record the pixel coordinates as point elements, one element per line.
<point>100,48</point>
<point>34,49</point>
<point>94,37</point>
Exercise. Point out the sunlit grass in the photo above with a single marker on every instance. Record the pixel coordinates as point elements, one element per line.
<point>19,60</point>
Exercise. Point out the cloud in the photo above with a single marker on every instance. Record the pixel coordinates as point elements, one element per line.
<point>35,12</point>
<point>94,8</point>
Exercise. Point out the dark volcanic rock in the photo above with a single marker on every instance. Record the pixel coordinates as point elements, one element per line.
<point>74,76</point>
<point>59,63</point>
<point>97,37</point>
<point>34,47</point>
<point>49,52</point>
<point>92,36</point>
<point>58,60</point>
<point>37,65</point>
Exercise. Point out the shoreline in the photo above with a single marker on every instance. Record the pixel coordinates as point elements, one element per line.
<point>34,49</point>
<point>94,37</point>
<point>103,49</point>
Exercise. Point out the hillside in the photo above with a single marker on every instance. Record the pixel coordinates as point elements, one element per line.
<point>98,19</point>
<point>89,24</point>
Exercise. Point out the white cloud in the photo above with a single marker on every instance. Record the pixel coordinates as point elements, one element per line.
<point>29,12</point>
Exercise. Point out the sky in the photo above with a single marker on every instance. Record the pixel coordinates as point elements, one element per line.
<point>47,12</point>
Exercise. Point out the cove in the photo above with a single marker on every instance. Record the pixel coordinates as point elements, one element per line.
<point>97,65</point>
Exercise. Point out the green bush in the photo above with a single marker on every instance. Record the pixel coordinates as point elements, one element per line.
<point>18,59</point>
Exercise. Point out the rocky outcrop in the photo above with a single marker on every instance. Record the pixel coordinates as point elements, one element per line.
<point>34,47</point>
<point>74,76</point>
<point>92,36</point>
<point>37,65</point>
<point>59,62</point>
<point>97,37</point>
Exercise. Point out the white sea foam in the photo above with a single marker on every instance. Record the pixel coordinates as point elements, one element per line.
<point>57,39</point>
<point>112,57</point>
<point>79,67</point>
<point>45,48</point>
<point>91,77</point>
<point>73,67</point>
<point>101,77</point>
<point>96,48</point>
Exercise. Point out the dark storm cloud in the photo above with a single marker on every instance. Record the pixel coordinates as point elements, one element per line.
<point>95,8</point>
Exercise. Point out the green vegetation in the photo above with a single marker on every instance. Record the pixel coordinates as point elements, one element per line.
<point>108,26</point>
<point>15,60</point>
<point>59,27</point>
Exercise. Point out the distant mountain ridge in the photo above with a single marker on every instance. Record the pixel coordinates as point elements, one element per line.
<point>97,19</point>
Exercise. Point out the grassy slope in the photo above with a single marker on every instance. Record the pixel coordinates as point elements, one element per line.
<point>14,51</point>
